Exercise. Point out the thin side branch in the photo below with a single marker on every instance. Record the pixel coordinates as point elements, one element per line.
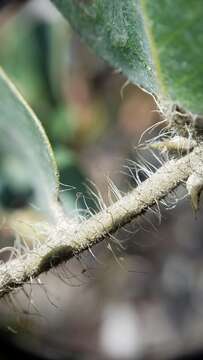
<point>66,242</point>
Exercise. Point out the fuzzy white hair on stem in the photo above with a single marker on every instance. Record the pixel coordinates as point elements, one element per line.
<point>70,238</point>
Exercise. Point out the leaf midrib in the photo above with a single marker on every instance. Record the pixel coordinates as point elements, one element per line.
<point>154,51</point>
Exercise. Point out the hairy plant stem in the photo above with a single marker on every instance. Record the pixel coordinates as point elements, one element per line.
<point>66,242</point>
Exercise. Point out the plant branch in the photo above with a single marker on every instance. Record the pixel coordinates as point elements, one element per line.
<point>66,242</point>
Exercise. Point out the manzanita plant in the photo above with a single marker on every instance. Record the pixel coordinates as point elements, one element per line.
<point>158,46</point>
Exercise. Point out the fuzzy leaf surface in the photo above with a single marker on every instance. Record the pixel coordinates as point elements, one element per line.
<point>158,44</point>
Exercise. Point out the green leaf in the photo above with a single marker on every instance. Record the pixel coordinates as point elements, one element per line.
<point>158,44</point>
<point>22,136</point>
<point>114,29</point>
<point>176,37</point>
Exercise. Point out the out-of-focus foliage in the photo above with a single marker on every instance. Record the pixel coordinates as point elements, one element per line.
<point>22,137</point>
<point>35,54</point>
